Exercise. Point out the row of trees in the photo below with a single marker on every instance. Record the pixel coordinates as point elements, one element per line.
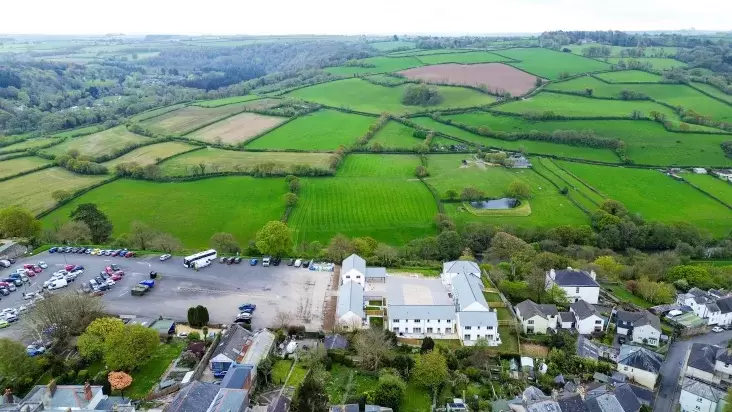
<point>86,165</point>
<point>122,347</point>
<point>421,95</point>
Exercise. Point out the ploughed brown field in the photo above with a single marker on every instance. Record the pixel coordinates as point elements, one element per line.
<point>237,129</point>
<point>495,76</point>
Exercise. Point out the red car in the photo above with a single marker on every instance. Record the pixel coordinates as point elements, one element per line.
<point>119,273</point>
<point>30,273</point>
<point>36,269</point>
<point>30,267</point>
<point>108,270</point>
<point>116,277</point>
<point>69,268</point>
<point>130,254</point>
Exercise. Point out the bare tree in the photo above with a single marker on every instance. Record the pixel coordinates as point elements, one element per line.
<point>61,315</point>
<point>141,235</point>
<point>166,242</point>
<point>373,346</point>
<point>281,319</point>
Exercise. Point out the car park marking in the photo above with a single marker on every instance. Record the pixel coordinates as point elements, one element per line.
<point>229,292</point>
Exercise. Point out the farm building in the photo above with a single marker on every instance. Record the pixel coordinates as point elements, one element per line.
<point>724,174</point>
<point>699,170</point>
<point>519,162</point>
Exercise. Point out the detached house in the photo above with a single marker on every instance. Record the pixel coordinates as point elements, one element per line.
<point>697,396</point>
<point>641,327</point>
<point>579,284</point>
<point>709,363</point>
<point>537,318</point>
<point>587,318</point>
<point>640,365</point>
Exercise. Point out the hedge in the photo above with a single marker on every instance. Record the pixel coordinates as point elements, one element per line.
<point>26,172</point>
<point>75,195</point>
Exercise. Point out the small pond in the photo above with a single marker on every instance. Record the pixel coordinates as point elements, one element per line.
<point>502,203</point>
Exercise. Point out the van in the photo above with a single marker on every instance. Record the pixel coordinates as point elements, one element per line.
<point>58,284</point>
<point>265,261</point>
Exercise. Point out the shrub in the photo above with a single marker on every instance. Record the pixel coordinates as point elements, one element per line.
<point>421,95</point>
<point>188,359</point>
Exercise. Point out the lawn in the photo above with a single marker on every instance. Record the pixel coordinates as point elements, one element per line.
<point>492,297</point>
<point>655,196</point>
<point>415,399</point>
<point>28,144</point>
<point>98,144</point>
<point>658,63</point>
<point>145,377</point>
<point>280,370</point>
<point>237,129</point>
<point>321,130</point>
<point>33,191</point>
<point>191,211</point>
<point>708,183</point>
<point>396,136</point>
<point>151,154</point>
<point>19,165</point>
<point>509,340</point>
<point>551,64</point>
<point>714,91</point>
<point>629,76</point>
<point>622,294</point>
<point>379,165</point>
<point>463,58</point>
<point>358,94</point>
<point>393,210</point>
<point>227,100</point>
<point>504,314</point>
<point>189,118</point>
<point>391,45</point>
<point>338,387</point>
<point>233,161</point>
<point>381,65</point>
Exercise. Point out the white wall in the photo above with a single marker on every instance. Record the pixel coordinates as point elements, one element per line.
<point>689,403</point>
<point>439,326</point>
<point>350,320</point>
<point>587,326</point>
<point>540,324</point>
<point>353,275</point>
<point>701,375</point>
<point>590,294</point>
<point>723,371</point>
<point>640,376</point>
<point>470,336</point>
<point>647,332</point>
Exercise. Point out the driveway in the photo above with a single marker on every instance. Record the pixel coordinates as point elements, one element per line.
<point>668,392</point>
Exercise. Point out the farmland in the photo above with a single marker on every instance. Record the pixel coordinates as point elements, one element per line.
<point>629,76</point>
<point>376,165</point>
<point>28,144</point>
<point>227,100</point>
<point>551,64</point>
<point>191,211</point>
<point>357,94</point>
<point>98,144</point>
<point>150,154</point>
<point>615,51</point>
<point>22,164</point>
<point>217,160</point>
<point>392,45</point>
<point>657,63</point>
<point>376,65</point>
<point>396,136</point>
<point>493,76</point>
<point>237,129</point>
<point>190,118</point>
<point>713,185</point>
<point>322,130</point>
<point>714,91</point>
<point>462,58</point>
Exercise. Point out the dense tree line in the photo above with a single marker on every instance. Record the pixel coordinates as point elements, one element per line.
<point>75,162</point>
<point>421,95</point>
<point>556,39</point>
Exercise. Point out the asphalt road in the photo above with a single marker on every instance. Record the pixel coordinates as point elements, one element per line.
<point>221,288</point>
<point>668,392</point>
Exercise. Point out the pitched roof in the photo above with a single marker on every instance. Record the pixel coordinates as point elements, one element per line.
<point>725,305</point>
<point>279,404</point>
<point>335,342</point>
<point>702,356</point>
<point>638,319</point>
<point>374,272</point>
<point>461,266</point>
<point>422,312</point>
<point>572,403</point>
<point>583,310</point>
<point>232,342</point>
<point>566,316</point>
<point>712,307</point>
<point>229,400</point>
<point>466,290</point>
<point>697,292</point>
<point>627,398</point>
<point>529,309</point>
<point>604,403</point>
<point>350,299</point>
<point>194,397</point>
<point>724,355</point>
<point>640,358</point>
<point>478,319</point>
<point>702,389</point>
<point>644,395</point>
<point>353,262</point>
<point>236,376</point>
<point>574,277</point>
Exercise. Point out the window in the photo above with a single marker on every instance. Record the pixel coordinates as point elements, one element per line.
<point>438,330</point>
<point>531,322</point>
<point>598,322</point>
<point>625,368</point>
<point>697,408</point>
<point>358,276</point>
<point>490,327</point>
<point>698,399</point>
<point>438,321</point>
<point>395,320</point>
<point>467,328</point>
<point>416,321</point>
<point>449,321</point>
<point>417,330</point>
<point>576,290</point>
<point>395,330</point>
<point>466,336</point>
<point>348,276</point>
<point>429,330</point>
<point>652,341</point>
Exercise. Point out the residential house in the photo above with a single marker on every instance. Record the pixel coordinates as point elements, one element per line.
<point>349,312</point>
<point>572,402</point>
<point>537,318</point>
<point>475,320</point>
<point>230,400</point>
<point>697,396</point>
<point>421,321</point>
<point>458,267</point>
<point>642,327</point>
<point>272,401</point>
<point>724,316</point>
<point>208,397</point>
<point>239,377</point>
<point>467,293</point>
<point>724,174</point>
<point>354,269</point>
<point>612,398</point>
<point>65,397</point>
<point>587,318</point>
<point>700,362</point>
<point>587,348</point>
<point>723,365</point>
<point>566,320</point>
<point>240,346</point>
<point>641,365</point>
<point>532,399</point>
<point>578,284</point>
<point>699,170</point>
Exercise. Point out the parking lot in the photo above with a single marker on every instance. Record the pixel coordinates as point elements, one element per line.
<point>219,287</point>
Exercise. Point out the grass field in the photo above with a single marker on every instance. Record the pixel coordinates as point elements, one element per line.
<point>577,190</point>
<point>623,294</point>
<point>531,146</point>
<point>419,52</point>
<point>345,382</point>
<point>189,118</point>
<point>713,185</point>
<point>550,64</point>
<point>191,211</point>
<point>381,65</point>
<point>227,100</point>
<point>647,142</point>
<point>391,45</point>
<point>98,144</point>
<point>379,165</point>
<point>714,91</point>
<point>28,144</point>
<point>232,161</point>
<point>322,130</point>
<point>655,196</point>
<point>363,96</point>
<point>462,58</point>
<point>33,191</point>
<point>147,375</point>
<point>396,136</point>
<point>156,112</point>
<point>151,154</point>
<point>20,164</point>
<point>657,63</point>
<point>629,76</point>
<point>237,129</point>
<point>616,50</point>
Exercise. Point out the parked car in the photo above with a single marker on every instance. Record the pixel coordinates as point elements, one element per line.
<point>237,260</point>
<point>222,259</point>
<point>4,291</point>
<point>43,265</point>
<point>33,350</point>
<point>4,323</point>
<point>253,262</point>
<point>165,257</point>
<point>116,277</point>
<point>266,260</point>
<point>30,295</point>
<point>298,263</point>
<point>276,261</point>
<point>717,329</point>
<point>96,252</point>
<point>247,307</point>
<point>290,262</point>
<point>115,267</point>
<point>108,270</point>
<point>307,263</point>
<point>130,254</point>
<point>53,249</point>
<point>230,261</point>
<point>244,315</point>
<point>621,340</point>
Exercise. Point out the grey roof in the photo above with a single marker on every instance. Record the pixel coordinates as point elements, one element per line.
<point>108,403</point>
<point>461,266</point>
<point>702,356</point>
<point>604,403</point>
<point>534,394</point>
<point>586,348</point>
<point>194,397</point>
<point>258,347</point>
<point>640,358</point>
<point>638,319</point>
<point>572,403</point>
<point>724,355</point>
<point>701,299</point>
<point>350,299</point>
<point>232,342</point>
<point>725,305</point>
<point>229,400</point>
<point>529,309</point>
<point>618,377</point>
<point>478,319</point>
<point>335,342</point>
<point>566,316</point>
<point>696,292</point>
<point>279,404</point>
<point>644,395</point>
<point>65,396</point>
<point>574,277</point>
<point>354,262</point>
<point>422,312</point>
<point>583,310</point>
<point>702,389</point>
<point>375,272</point>
<point>236,376</point>
<point>544,406</point>
<point>627,398</point>
<point>466,290</point>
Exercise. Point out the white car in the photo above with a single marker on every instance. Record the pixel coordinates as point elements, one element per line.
<point>717,329</point>
<point>31,295</point>
<point>59,273</point>
<point>11,311</point>
<point>165,257</point>
<point>22,308</point>
<point>110,282</point>
<point>298,263</point>
<point>42,265</point>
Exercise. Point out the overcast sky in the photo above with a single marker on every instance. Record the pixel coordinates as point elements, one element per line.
<point>357,17</point>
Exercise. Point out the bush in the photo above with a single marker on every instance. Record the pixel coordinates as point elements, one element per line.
<point>188,359</point>
<point>194,337</point>
<point>421,95</point>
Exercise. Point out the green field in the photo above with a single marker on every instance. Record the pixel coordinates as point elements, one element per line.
<point>673,94</point>
<point>655,196</point>
<point>227,100</point>
<point>391,45</point>
<point>28,144</point>
<point>379,165</point>
<point>151,154</point>
<point>551,64</point>
<point>189,118</point>
<point>98,144</point>
<point>33,191</point>
<point>381,65</point>
<point>19,165</point>
<point>657,63</point>
<point>418,52</point>
<point>462,58</point>
<point>577,106</point>
<point>713,91</point>
<point>396,136</point>
<point>647,142</point>
<point>234,161</point>
<point>711,184</point>
<point>156,112</point>
<point>577,190</point>
<point>531,146</point>
<point>322,130</point>
<point>357,94</point>
<point>655,51</point>
<point>629,76</point>
<point>191,211</point>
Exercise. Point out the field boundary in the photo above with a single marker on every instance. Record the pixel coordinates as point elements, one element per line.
<point>26,172</point>
<point>576,203</point>
<point>581,181</point>
<point>183,104</point>
<point>435,196</point>
<point>75,195</point>
<point>197,102</point>
<point>223,118</point>
<point>704,92</point>
<point>709,194</point>
<point>568,183</point>
<point>264,132</point>
<point>35,149</point>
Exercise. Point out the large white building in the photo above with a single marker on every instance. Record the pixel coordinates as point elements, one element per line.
<point>458,267</point>
<point>474,317</point>
<point>697,396</point>
<point>537,318</point>
<point>713,305</point>
<point>349,313</point>
<point>578,284</point>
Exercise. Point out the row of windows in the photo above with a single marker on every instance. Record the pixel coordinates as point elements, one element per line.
<point>419,330</point>
<point>419,320</point>
<point>357,276</point>
<point>478,327</point>
<point>468,336</point>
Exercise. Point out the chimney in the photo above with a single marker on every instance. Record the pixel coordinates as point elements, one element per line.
<point>552,274</point>
<point>555,394</point>
<point>51,387</point>
<point>8,396</point>
<point>582,391</point>
<point>593,275</point>
<point>87,391</point>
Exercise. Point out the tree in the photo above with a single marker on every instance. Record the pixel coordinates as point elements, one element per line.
<point>518,190</point>
<point>17,222</point>
<point>99,224</point>
<point>275,239</point>
<point>311,396</point>
<point>385,254</point>
<point>505,246</point>
<point>290,199</point>
<point>449,245</point>
<point>130,347</point>
<point>294,185</point>
<point>421,171</point>
<point>404,364</point>
<point>614,207</point>
<point>557,296</point>
<point>61,195</point>
<point>91,342</point>
<point>74,232</point>
<point>389,392</point>
<point>471,194</point>
<point>451,194</point>
<point>119,381</point>
<point>224,242</point>
<point>427,345</point>
<point>421,95</point>
<point>365,246</point>
<point>61,315</point>
<point>339,248</point>
<point>431,370</point>
<point>15,365</point>
<point>166,242</point>
<point>373,346</point>
<point>141,235</point>
<point>198,316</point>
<point>536,280</point>
<point>608,267</point>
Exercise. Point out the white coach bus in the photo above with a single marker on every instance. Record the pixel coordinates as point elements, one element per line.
<point>200,259</point>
